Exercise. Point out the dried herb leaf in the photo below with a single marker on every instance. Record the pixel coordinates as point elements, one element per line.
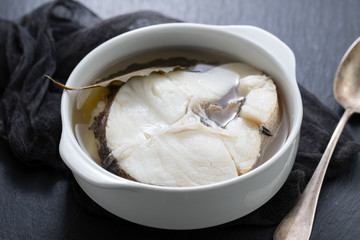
<point>121,79</point>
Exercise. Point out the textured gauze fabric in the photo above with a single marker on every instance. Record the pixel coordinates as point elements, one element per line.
<point>54,38</point>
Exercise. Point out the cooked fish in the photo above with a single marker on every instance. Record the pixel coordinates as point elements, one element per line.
<point>163,129</point>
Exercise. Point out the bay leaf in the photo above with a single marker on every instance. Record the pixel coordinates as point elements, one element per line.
<point>119,80</point>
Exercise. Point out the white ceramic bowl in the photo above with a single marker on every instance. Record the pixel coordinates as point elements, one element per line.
<point>187,207</point>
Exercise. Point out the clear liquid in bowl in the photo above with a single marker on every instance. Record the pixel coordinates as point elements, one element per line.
<point>88,100</point>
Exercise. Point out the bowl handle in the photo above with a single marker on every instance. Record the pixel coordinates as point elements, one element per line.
<point>88,171</point>
<point>268,41</point>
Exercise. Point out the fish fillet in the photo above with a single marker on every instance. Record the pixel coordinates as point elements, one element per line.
<point>155,128</point>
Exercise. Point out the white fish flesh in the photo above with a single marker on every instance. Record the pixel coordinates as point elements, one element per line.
<point>159,130</point>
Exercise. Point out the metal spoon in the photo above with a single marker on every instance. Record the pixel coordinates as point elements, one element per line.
<point>298,223</point>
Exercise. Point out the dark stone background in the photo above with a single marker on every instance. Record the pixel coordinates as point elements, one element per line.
<point>37,204</point>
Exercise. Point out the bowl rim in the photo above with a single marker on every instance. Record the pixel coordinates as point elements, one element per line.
<point>68,133</point>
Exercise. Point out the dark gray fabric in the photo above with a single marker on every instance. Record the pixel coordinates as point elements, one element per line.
<point>53,39</point>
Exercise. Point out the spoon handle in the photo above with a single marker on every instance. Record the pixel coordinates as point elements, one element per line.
<point>298,223</point>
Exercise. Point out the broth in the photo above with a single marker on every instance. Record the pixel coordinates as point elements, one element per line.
<point>205,59</point>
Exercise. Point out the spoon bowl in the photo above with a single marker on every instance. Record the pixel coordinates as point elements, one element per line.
<point>347,78</point>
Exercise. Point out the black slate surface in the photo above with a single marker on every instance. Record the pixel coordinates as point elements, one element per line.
<point>319,32</point>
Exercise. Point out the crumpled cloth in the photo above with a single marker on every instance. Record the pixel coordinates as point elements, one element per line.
<point>55,37</point>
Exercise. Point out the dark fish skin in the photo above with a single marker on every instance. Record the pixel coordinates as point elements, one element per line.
<point>98,126</point>
<point>265,131</point>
